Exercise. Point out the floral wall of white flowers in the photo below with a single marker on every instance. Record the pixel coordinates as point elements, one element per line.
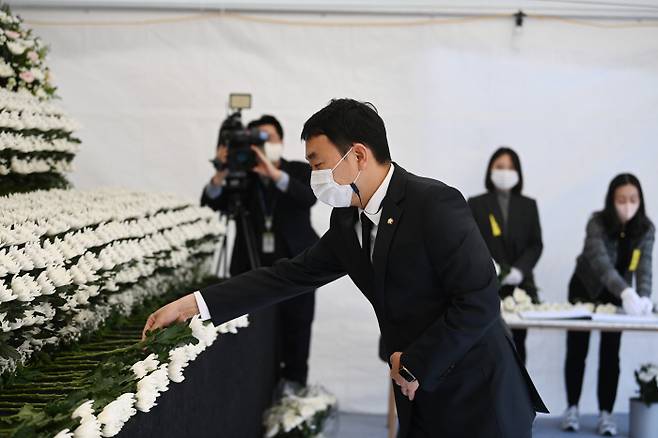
<point>36,137</point>
<point>69,258</point>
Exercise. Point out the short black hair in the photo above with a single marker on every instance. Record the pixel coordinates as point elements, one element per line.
<point>348,121</point>
<point>267,119</point>
<point>640,223</point>
<point>488,183</point>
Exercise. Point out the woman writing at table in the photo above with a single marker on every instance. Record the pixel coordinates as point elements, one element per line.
<point>617,255</point>
<point>509,223</point>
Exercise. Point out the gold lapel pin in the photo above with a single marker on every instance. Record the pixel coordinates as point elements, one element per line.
<point>390,221</point>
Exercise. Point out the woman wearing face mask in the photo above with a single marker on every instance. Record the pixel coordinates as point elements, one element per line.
<point>509,223</point>
<point>617,250</point>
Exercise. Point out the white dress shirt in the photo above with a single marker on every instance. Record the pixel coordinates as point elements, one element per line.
<point>373,212</point>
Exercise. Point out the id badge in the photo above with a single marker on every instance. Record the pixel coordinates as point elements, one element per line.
<point>268,242</point>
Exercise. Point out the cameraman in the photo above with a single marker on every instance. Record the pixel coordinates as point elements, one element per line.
<point>278,198</point>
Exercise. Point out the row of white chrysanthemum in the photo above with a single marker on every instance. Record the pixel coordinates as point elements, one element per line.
<point>28,217</point>
<point>23,121</point>
<point>36,143</point>
<point>88,319</point>
<point>24,289</point>
<point>152,380</point>
<point>26,166</point>
<point>117,258</point>
<point>77,304</point>
<point>23,101</point>
<point>119,242</point>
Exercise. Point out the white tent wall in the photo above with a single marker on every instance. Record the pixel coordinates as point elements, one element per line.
<point>578,102</point>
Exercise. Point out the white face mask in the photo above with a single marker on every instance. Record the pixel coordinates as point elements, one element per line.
<point>327,190</point>
<point>273,151</point>
<point>504,179</point>
<point>627,211</point>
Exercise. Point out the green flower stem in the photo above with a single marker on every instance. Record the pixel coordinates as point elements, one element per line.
<point>104,343</point>
<point>69,367</point>
<point>76,362</point>
<point>30,398</point>
<point>61,375</point>
<point>39,390</point>
<point>16,405</point>
<point>103,354</point>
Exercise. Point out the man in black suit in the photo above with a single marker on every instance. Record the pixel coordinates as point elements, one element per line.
<point>278,200</point>
<point>411,246</point>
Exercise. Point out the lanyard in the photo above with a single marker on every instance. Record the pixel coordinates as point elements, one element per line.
<point>267,212</point>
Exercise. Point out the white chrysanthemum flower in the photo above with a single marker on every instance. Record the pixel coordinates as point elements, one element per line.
<point>205,333</point>
<point>149,388</point>
<point>89,428</point>
<point>6,294</point>
<point>521,296</point>
<point>59,276</point>
<point>178,360</point>
<point>47,286</point>
<point>7,264</point>
<point>161,378</point>
<point>290,420</point>
<point>509,305</point>
<point>85,410</point>
<point>143,367</point>
<point>25,288</point>
<point>23,261</point>
<point>64,434</point>
<point>116,413</point>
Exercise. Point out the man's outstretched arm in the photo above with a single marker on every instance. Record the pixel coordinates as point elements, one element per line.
<point>259,288</point>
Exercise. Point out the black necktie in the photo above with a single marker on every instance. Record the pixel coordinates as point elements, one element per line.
<point>366,230</point>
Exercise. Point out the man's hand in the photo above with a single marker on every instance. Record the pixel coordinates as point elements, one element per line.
<point>177,311</point>
<point>408,388</point>
<point>220,175</point>
<point>265,166</point>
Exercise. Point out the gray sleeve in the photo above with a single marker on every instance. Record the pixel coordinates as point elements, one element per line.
<point>644,274</point>
<point>597,255</point>
<point>213,191</point>
<point>284,182</point>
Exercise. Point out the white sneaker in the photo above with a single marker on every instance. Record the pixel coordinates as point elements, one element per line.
<point>607,425</point>
<point>570,420</point>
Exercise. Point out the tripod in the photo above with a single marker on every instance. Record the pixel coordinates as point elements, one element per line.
<point>239,212</point>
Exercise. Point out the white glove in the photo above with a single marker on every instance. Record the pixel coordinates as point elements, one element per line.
<point>631,302</point>
<point>514,278</point>
<point>648,305</point>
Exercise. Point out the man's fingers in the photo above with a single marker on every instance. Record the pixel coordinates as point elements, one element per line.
<point>147,326</point>
<point>398,379</point>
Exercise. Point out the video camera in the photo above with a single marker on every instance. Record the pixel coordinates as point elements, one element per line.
<point>232,133</point>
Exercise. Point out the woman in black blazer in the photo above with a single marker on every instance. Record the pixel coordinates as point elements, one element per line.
<point>509,223</point>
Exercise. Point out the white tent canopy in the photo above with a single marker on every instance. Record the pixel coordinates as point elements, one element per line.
<point>576,8</point>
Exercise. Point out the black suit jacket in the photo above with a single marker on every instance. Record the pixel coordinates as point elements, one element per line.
<point>291,215</point>
<point>520,244</point>
<point>434,289</point>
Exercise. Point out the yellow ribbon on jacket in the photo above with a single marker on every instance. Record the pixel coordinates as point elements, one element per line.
<point>635,260</point>
<point>495,228</point>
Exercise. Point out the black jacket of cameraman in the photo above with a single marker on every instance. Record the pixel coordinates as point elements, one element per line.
<point>290,210</point>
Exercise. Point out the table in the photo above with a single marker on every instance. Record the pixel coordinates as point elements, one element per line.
<point>514,321</point>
